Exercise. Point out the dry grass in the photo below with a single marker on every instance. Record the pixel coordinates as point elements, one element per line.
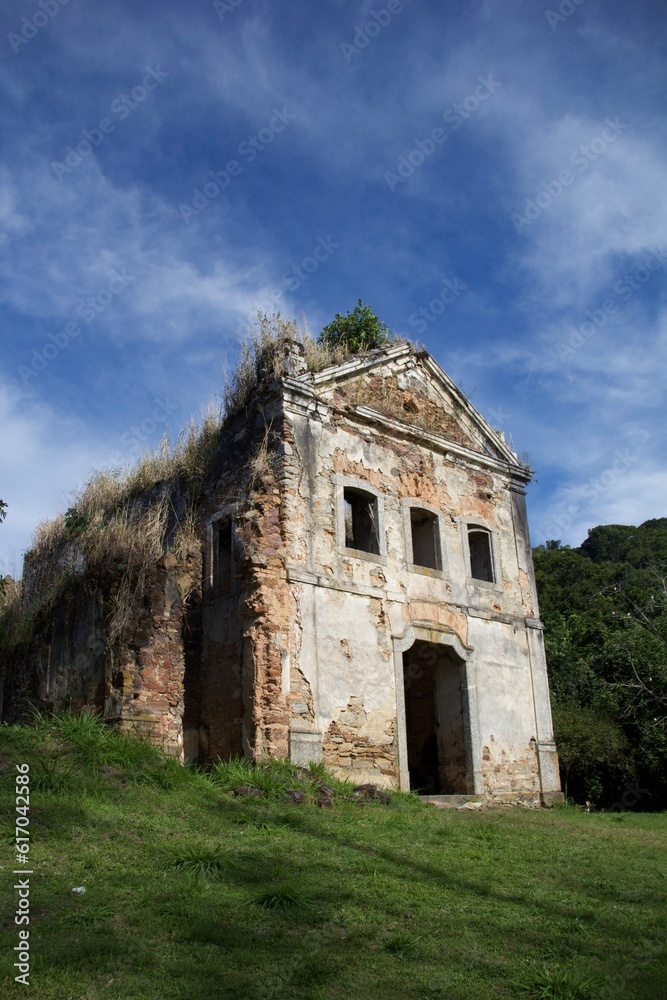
<point>132,545</point>
<point>114,502</point>
<point>318,356</point>
<point>48,534</point>
<point>117,527</point>
<point>186,547</point>
<point>188,460</point>
<point>120,544</point>
<point>12,612</point>
<point>262,358</point>
<point>123,520</point>
<point>261,465</point>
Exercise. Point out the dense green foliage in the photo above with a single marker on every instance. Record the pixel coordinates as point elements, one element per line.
<point>605,610</point>
<point>192,892</point>
<point>358,331</point>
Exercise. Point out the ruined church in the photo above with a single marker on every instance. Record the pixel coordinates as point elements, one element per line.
<point>361,592</point>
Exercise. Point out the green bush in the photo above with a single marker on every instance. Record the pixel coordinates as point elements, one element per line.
<point>593,751</point>
<point>358,331</point>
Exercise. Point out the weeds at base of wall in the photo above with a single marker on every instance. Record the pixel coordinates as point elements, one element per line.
<point>68,746</point>
<point>511,892</point>
<point>275,778</point>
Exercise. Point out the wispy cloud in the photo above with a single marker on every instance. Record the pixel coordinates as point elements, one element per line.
<point>545,334</point>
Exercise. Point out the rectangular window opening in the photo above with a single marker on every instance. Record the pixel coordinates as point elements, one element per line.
<point>425,539</point>
<point>481,562</point>
<point>361,521</point>
<point>223,563</point>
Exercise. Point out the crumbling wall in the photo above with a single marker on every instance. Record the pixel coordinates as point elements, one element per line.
<point>145,682</point>
<point>298,656</point>
<point>406,398</point>
<point>361,745</point>
<point>137,680</point>
<point>248,634</point>
<point>511,772</point>
<point>62,660</point>
<point>507,722</point>
<point>266,617</point>
<point>72,668</point>
<point>356,606</point>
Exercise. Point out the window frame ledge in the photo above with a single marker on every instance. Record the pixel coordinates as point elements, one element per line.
<point>408,504</point>
<point>340,483</point>
<point>471,523</point>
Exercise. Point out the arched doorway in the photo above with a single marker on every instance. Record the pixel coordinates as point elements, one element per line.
<point>435,734</point>
<point>437,713</point>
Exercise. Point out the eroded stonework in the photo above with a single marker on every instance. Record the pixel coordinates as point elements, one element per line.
<point>363,594</point>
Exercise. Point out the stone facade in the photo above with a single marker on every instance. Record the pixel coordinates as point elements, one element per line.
<point>364,594</point>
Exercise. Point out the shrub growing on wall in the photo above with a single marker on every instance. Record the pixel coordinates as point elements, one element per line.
<point>359,331</point>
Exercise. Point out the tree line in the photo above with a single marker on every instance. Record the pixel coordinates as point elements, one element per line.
<point>604,606</point>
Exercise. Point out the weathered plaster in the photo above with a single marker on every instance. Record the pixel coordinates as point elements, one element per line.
<point>309,654</point>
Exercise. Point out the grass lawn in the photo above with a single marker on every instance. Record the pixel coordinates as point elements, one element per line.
<point>193,893</point>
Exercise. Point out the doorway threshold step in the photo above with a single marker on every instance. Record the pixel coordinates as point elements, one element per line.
<point>454,801</point>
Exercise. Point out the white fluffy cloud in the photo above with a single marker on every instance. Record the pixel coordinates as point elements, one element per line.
<point>572,382</point>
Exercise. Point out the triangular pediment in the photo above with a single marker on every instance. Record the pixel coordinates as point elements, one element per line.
<point>408,386</point>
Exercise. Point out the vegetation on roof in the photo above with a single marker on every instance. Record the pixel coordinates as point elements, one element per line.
<point>263,357</point>
<point>116,528</point>
<point>123,520</point>
<point>356,332</point>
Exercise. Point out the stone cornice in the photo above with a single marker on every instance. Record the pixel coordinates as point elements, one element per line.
<point>300,397</point>
<point>438,442</point>
<point>356,365</point>
<point>298,574</point>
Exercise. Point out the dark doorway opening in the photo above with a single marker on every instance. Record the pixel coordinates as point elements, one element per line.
<point>435,732</point>
<point>223,559</point>
<point>192,649</point>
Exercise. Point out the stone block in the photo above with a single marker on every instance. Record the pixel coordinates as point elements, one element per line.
<point>305,747</point>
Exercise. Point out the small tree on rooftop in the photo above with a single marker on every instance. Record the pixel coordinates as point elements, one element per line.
<point>359,331</point>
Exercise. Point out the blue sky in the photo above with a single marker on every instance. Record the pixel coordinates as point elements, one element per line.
<point>489,176</point>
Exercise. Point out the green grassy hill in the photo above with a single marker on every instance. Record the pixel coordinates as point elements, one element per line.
<point>191,892</point>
